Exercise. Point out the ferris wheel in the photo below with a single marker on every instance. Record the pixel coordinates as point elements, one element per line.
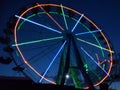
<point>58,45</point>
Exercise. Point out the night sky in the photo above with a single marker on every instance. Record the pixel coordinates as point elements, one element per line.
<point>105,13</point>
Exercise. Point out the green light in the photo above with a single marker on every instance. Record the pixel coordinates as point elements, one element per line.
<point>96,74</point>
<point>64,17</point>
<point>36,41</point>
<point>103,66</point>
<point>25,20</point>
<point>38,24</point>
<point>95,45</point>
<point>73,19</point>
<point>92,35</point>
<point>29,18</point>
<point>17,53</point>
<point>86,68</point>
<point>75,78</point>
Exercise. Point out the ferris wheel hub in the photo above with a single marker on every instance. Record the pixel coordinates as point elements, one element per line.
<point>68,35</point>
<point>68,40</point>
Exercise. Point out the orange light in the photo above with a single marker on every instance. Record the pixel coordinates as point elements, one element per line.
<point>52,18</point>
<point>55,5</point>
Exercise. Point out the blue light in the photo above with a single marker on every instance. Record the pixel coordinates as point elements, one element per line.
<point>77,22</point>
<point>94,61</point>
<point>41,25</point>
<point>52,61</point>
<point>89,32</point>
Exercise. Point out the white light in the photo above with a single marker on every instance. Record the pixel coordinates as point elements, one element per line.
<point>67,76</point>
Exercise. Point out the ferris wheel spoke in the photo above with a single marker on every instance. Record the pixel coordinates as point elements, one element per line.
<point>52,61</point>
<point>64,17</point>
<point>42,53</point>
<point>38,24</point>
<point>51,17</point>
<point>43,46</point>
<point>95,45</point>
<point>89,32</point>
<point>77,22</point>
<point>36,41</point>
<point>45,51</point>
<point>94,61</point>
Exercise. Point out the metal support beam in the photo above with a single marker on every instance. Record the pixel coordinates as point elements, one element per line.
<point>81,65</point>
<point>64,65</point>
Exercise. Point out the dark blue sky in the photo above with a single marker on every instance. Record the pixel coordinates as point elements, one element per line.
<point>104,13</point>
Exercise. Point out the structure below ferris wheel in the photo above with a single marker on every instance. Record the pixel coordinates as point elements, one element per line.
<point>55,44</point>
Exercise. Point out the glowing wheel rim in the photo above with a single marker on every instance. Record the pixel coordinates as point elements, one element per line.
<point>77,20</point>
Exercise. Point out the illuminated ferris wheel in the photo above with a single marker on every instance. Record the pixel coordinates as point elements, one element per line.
<point>59,45</point>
